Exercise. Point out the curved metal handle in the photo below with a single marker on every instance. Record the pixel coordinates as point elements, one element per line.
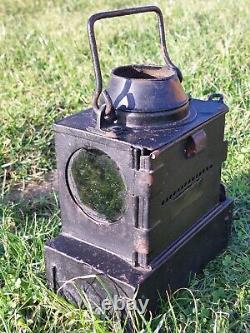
<point>95,57</point>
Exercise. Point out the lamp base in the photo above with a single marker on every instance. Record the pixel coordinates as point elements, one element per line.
<point>76,269</point>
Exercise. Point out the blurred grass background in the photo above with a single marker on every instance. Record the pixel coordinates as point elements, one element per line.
<point>45,74</point>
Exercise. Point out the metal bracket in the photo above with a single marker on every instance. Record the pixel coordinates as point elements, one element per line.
<point>196,143</point>
<point>216,96</point>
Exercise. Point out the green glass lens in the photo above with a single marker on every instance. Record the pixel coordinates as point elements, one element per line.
<point>97,183</point>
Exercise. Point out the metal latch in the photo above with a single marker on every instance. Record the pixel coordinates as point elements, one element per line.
<point>196,143</point>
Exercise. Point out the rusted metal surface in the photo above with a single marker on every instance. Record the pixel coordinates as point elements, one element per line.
<point>143,225</point>
<point>147,97</point>
<point>108,107</point>
<point>196,143</point>
<point>142,245</point>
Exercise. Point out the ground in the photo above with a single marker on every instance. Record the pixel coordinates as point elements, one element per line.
<point>45,74</point>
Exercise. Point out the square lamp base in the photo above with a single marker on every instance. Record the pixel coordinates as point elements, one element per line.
<point>75,269</point>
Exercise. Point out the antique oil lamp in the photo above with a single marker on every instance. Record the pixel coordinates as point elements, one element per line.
<point>142,204</point>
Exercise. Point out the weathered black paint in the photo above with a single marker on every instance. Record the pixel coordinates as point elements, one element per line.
<point>172,201</point>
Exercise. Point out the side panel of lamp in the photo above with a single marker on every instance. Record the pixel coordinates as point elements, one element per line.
<point>185,189</point>
<point>117,236</point>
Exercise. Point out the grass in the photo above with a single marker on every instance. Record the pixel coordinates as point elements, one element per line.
<point>46,74</point>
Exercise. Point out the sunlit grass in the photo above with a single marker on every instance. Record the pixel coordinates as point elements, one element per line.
<point>45,74</point>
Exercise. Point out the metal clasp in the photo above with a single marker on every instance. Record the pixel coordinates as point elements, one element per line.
<point>196,143</point>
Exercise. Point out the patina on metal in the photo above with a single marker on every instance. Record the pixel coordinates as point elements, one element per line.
<point>142,204</point>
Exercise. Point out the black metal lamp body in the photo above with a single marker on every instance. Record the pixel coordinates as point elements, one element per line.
<point>142,204</point>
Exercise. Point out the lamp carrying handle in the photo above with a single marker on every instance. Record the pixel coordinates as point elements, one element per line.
<point>107,108</point>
